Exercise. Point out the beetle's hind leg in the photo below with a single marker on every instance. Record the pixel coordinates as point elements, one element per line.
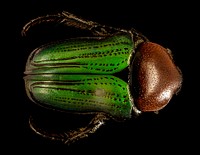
<point>69,19</point>
<point>40,20</point>
<point>69,137</point>
<point>96,28</point>
<point>83,132</point>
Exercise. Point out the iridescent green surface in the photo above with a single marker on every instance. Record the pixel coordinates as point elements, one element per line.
<point>81,93</point>
<point>83,55</point>
<point>73,75</point>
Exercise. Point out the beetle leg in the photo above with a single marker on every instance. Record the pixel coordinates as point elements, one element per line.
<point>96,28</point>
<point>74,135</point>
<point>39,20</point>
<point>84,132</point>
<point>69,19</point>
<point>138,37</point>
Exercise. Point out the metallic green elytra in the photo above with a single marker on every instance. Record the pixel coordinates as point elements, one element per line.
<point>81,93</point>
<point>82,55</point>
<point>78,75</point>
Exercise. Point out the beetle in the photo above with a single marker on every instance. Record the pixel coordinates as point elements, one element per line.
<point>77,75</point>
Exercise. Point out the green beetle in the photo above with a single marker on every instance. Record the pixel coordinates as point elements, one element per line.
<point>78,75</point>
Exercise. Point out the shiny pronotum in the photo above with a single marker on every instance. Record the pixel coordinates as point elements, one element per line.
<point>78,75</point>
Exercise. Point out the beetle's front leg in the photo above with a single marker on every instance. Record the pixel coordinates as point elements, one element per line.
<point>69,137</point>
<point>69,19</point>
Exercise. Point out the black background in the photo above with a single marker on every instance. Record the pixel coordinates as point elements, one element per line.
<point>170,24</point>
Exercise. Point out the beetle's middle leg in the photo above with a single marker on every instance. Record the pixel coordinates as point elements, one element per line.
<point>69,19</point>
<point>74,135</point>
